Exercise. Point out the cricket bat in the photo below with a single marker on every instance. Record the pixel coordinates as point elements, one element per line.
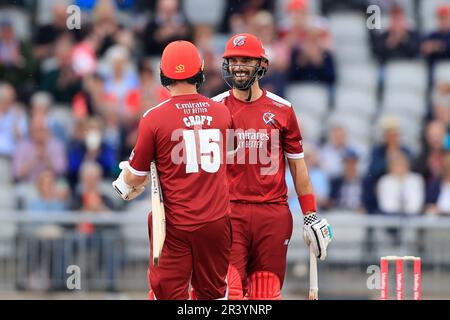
<point>313,278</point>
<point>158,216</point>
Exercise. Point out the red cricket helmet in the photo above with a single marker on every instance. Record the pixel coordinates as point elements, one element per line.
<point>244,45</point>
<point>180,60</point>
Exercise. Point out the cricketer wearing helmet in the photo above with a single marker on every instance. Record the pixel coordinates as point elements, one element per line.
<point>184,136</point>
<point>266,133</point>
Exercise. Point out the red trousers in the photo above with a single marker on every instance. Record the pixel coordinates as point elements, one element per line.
<point>261,234</point>
<point>200,257</point>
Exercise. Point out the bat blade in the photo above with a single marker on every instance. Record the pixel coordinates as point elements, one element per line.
<point>158,216</point>
<point>313,277</point>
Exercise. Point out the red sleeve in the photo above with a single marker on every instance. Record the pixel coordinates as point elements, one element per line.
<point>292,138</point>
<point>144,150</point>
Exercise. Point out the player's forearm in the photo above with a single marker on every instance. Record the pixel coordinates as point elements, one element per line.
<point>300,176</point>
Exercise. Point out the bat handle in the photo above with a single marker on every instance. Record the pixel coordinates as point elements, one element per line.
<point>313,279</point>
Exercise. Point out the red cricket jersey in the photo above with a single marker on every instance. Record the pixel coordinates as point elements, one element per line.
<point>185,135</point>
<point>265,131</point>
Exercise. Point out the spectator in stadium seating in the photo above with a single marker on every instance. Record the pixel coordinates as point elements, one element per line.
<point>13,121</point>
<point>45,35</point>
<point>333,151</point>
<point>88,145</point>
<point>311,61</point>
<point>441,103</point>
<point>120,76</point>
<point>319,179</point>
<point>61,81</point>
<point>399,41</point>
<point>17,65</point>
<point>106,25</point>
<point>149,93</point>
<point>40,152</point>
<point>50,195</point>
<point>89,196</point>
<point>429,162</point>
<point>93,99</point>
<point>168,24</point>
<point>438,192</point>
<point>204,41</point>
<point>84,53</point>
<point>263,26</point>
<point>378,163</point>
<point>346,189</point>
<point>294,29</point>
<point>237,12</point>
<point>400,191</point>
<point>436,46</point>
<point>41,108</point>
<point>101,240</point>
<point>330,6</point>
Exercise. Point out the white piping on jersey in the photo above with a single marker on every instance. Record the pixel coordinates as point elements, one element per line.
<point>137,172</point>
<point>295,155</point>
<point>159,105</point>
<point>221,96</point>
<point>279,99</point>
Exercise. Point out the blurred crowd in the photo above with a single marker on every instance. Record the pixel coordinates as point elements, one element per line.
<point>71,100</point>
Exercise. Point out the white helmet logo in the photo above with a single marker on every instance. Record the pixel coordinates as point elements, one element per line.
<point>239,41</point>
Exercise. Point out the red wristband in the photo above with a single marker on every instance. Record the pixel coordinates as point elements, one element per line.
<point>307,203</point>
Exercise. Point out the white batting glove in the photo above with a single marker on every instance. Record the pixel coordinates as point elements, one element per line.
<point>317,233</point>
<point>126,191</point>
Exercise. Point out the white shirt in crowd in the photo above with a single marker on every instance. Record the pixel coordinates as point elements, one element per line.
<point>401,195</point>
<point>443,202</point>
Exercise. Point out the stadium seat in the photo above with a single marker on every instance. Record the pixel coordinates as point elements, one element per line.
<point>410,102</point>
<point>352,53</point>
<point>359,76</point>
<point>62,114</point>
<point>442,72</point>
<point>8,232</point>
<point>308,98</point>
<point>5,171</point>
<point>357,127</point>
<point>407,75</point>
<point>204,11</point>
<point>427,10</point>
<point>348,26</point>
<point>310,127</point>
<point>7,199</point>
<point>44,10</point>
<point>353,100</point>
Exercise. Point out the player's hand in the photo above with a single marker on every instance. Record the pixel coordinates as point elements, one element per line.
<point>126,191</point>
<point>317,233</point>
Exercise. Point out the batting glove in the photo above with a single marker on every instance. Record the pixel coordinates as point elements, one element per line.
<point>126,191</point>
<point>317,233</point>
